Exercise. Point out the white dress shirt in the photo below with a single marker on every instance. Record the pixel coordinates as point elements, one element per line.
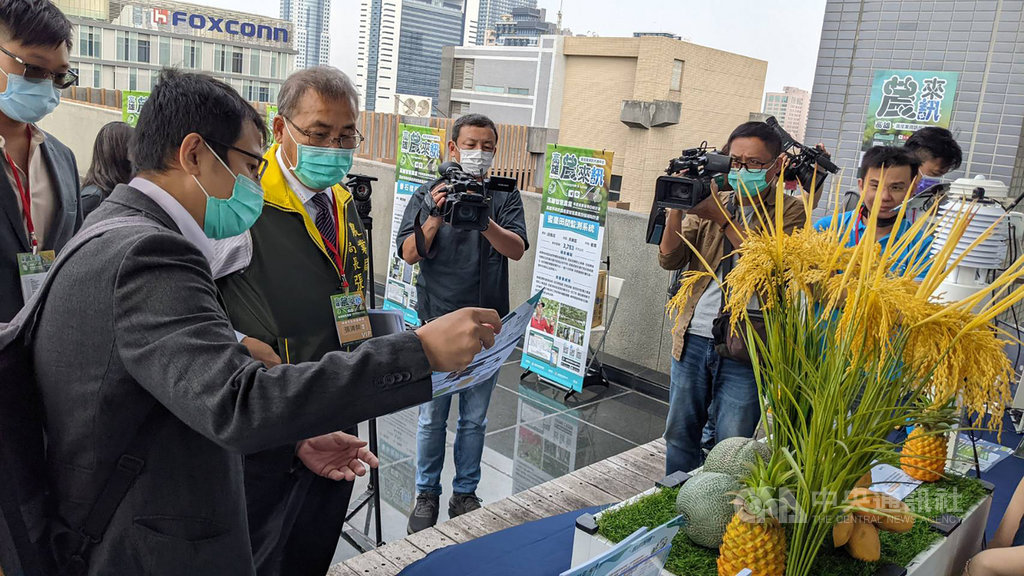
<point>182,219</point>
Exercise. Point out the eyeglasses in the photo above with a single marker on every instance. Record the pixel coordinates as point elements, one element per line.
<point>751,165</point>
<point>262,162</point>
<point>32,72</point>
<point>322,139</point>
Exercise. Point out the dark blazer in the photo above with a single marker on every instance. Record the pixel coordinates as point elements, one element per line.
<point>67,219</point>
<point>154,336</point>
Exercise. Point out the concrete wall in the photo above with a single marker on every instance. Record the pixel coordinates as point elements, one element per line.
<point>76,125</point>
<point>718,92</point>
<point>639,332</point>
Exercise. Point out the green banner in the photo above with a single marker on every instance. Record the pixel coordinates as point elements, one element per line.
<point>271,114</point>
<point>419,153</point>
<point>576,182</point>
<point>131,105</point>
<point>904,101</point>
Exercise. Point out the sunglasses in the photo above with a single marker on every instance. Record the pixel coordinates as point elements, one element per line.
<point>32,72</point>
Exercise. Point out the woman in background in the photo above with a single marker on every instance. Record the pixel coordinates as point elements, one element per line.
<point>110,165</point>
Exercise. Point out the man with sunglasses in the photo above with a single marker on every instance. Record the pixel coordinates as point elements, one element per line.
<point>704,383</point>
<point>306,252</point>
<point>39,190</point>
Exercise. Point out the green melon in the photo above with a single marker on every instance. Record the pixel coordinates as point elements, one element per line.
<point>705,502</point>
<point>736,456</point>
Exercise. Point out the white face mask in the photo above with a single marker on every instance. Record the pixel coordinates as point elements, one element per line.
<point>476,162</point>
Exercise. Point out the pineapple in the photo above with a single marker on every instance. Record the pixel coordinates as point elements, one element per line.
<point>755,538</point>
<point>924,452</point>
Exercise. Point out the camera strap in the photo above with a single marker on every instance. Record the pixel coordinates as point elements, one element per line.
<point>421,240</point>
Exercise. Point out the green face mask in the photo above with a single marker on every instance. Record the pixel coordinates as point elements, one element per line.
<point>748,183</point>
<point>320,168</point>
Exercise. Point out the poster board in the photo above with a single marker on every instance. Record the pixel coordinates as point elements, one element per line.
<point>567,263</point>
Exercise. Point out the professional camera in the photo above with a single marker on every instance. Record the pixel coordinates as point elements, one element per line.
<point>688,181</point>
<point>468,205</point>
<point>809,166</point>
<point>361,188</point>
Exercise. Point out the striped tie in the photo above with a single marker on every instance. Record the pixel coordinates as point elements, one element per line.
<point>324,221</point>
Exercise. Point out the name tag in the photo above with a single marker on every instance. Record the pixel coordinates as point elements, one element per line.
<point>33,268</point>
<point>351,318</point>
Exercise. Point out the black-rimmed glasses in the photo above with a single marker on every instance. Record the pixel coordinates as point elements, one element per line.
<point>32,72</point>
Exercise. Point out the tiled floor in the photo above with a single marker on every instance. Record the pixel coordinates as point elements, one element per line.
<point>533,435</point>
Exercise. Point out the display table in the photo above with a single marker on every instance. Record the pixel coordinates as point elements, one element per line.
<point>605,482</point>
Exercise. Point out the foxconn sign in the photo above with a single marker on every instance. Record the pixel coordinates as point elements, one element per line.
<point>223,25</point>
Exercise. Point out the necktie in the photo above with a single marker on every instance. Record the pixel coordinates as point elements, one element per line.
<point>324,221</point>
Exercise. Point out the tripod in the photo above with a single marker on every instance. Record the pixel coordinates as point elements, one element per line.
<point>361,188</point>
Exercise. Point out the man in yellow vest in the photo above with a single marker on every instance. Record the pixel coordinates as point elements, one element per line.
<point>283,283</point>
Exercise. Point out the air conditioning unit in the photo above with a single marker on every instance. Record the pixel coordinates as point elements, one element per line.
<point>416,106</point>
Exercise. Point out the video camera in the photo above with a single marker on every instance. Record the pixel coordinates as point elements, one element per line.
<point>361,188</point>
<point>468,204</point>
<point>686,184</point>
<point>803,164</point>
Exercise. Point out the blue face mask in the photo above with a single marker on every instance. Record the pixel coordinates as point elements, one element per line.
<point>748,183</point>
<point>320,168</point>
<point>232,216</point>
<point>925,183</point>
<point>28,101</point>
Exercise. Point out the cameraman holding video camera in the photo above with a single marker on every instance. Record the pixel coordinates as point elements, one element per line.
<point>462,246</point>
<point>716,226</point>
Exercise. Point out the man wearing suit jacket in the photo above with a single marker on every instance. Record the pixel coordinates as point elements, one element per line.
<point>154,353</point>
<point>39,195</point>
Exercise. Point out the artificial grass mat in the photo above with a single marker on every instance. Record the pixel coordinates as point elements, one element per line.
<point>954,494</point>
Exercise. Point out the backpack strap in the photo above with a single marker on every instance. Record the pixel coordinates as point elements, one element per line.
<point>120,481</point>
<point>128,466</point>
<point>26,317</point>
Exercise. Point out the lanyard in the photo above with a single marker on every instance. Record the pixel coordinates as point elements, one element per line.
<point>856,230</point>
<point>333,248</point>
<point>26,195</point>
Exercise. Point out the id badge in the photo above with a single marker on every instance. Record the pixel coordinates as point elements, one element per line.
<point>351,318</point>
<point>33,268</point>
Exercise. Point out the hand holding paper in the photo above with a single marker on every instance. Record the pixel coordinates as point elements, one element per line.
<point>452,341</point>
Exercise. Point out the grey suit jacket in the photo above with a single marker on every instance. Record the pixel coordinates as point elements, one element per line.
<point>154,334</point>
<point>67,219</point>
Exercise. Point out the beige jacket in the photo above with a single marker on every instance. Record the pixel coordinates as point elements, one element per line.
<point>708,237</point>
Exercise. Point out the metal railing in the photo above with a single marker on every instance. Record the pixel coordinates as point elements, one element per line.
<point>512,160</point>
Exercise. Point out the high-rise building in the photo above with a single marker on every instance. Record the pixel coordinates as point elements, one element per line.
<point>123,44</point>
<point>523,27</point>
<point>400,43</point>
<point>312,20</point>
<point>790,108</point>
<point>982,42</point>
<point>490,12</point>
<point>646,99</point>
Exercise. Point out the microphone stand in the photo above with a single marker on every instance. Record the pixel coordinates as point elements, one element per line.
<point>361,189</point>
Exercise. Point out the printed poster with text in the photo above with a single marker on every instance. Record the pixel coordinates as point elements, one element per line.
<point>131,105</point>
<point>904,101</point>
<point>567,264</point>
<point>418,155</point>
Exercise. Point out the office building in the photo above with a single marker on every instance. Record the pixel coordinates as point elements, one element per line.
<point>644,98</point>
<point>982,42</point>
<point>523,27</point>
<point>489,13</point>
<point>790,108</point>
<point>122,45</point>
<point>400,43</point>
<point>658,34</point>
<point>311,20</point>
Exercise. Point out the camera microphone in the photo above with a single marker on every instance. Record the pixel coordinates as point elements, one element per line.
<point>449,169</point>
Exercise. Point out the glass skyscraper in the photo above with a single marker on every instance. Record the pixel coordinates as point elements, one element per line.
<point>312,20</point>
<point>981,41</point>
<point>400,43</point>
<point>491,12</point>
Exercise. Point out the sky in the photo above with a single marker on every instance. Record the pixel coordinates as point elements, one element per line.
<point>786,34</point>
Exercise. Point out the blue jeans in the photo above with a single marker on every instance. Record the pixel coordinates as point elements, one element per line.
<point>699,377</point>
<point>469,439</point>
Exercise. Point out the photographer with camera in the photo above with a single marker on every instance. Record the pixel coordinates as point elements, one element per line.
<point>715,226</point>
<point>462,241</point>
